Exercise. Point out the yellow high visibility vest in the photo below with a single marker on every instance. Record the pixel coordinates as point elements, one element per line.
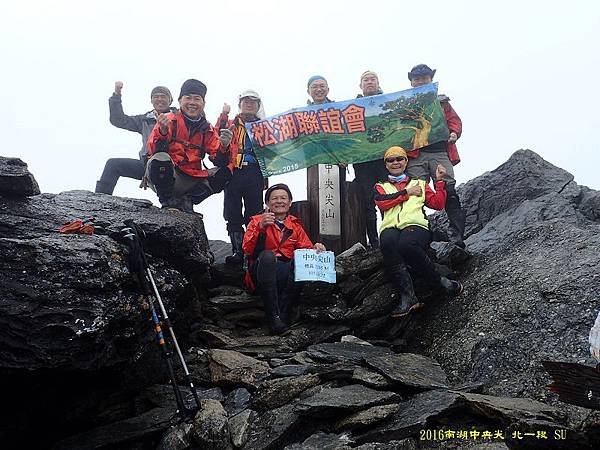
<point>410,212</point>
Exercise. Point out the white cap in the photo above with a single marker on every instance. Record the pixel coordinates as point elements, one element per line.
<point>249,93</point>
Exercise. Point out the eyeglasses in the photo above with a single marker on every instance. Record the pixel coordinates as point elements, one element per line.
<point>395,159</point>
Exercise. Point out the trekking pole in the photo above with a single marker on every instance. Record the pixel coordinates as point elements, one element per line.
<point>139,264</point>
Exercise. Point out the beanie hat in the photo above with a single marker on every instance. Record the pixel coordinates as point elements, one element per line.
<point>314,78</point>
<point>275,187</point>
<point>420,70</point>
<point>394,151</point>
<point>193,86</point>
<point>162,90</point>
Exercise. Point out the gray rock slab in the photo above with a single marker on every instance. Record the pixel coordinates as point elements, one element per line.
<point>367,418</point>
<point>239,427</point>
<point>411,370</point>
<point>336,401</point>
<point>275,393</point>
<point>233,368</point>
<point>236,401</point>
<point>412,416</point>
<point>344,352</point>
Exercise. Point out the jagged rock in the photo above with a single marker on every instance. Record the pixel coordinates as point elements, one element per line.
<point>344,352</point>
<point>508,410</point>
<point>211,429</point>
<point>290,370</point>
<point>15,179</point>
<point>366,418</point>
<point>349,398</point>
<point>379,302</point>
<point>450,254</point>
<point>178,437</point>
<point>68,300</point>
<point>323,441</point>
<point>357,261</point>
<point>371,378</point>
<point>524,176</point>
<point>239,426</point>
<point>237,401</point>
<point>354,340</point>
<point>275,393</point>
<point>413,415</point>
<point>233,368</point>
<point>272,429</point>
<point>410,370</point>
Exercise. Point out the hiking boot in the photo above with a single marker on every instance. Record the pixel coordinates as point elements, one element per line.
<point>453,288</point>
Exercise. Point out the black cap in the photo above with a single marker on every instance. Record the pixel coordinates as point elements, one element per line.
<point>275,187</point>
<point>420,70</point>
<point>192,86</point>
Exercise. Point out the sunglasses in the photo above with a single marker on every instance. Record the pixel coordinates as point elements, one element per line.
<point>395,159</point>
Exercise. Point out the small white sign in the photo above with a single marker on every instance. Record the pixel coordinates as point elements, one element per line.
<point>312,266</point>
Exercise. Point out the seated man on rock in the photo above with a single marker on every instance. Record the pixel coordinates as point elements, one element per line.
<point>269,244</point>
<point>405,233</point>
<point>161,100</point>
<point>177,146</point>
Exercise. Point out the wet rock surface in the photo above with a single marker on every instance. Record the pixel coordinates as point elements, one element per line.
<point>77,343</point>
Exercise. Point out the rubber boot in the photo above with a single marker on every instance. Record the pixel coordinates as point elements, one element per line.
<point>288,299</point>
<point>452,288</point>
<point>456,218</point>
<point>372,233</point>
<point>102,187</point>
<point>271,304</point>
<point>237,255</point>
<point>404,287</point>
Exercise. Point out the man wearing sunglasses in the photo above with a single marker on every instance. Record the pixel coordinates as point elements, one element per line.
<point>405,234</point>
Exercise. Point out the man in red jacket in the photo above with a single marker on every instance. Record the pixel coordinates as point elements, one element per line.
<point>177,146</point>
<point>269,244</point>
<point>422,163</point>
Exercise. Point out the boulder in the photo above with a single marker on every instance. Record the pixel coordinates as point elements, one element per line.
<point>15,179</point>
<point>211,428</point>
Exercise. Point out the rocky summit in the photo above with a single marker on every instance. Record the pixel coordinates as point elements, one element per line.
<point>80,368</point>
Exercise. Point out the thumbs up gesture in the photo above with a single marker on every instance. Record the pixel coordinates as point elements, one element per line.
<point>226,136</point>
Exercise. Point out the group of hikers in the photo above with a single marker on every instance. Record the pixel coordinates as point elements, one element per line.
<point>171,162</point>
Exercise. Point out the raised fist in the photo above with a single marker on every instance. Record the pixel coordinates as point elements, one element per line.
<point>118,87</point>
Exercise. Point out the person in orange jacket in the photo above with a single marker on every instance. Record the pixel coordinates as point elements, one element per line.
<point>422,163</point>
<point>177,146</point>
<point>269,244</point>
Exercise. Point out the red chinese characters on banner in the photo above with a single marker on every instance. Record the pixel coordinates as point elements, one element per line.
<point>263,134</point>
<point>308,123</point>
<point>331,121</point>
<point>354,116</point>
<point>305,123</point>
<point>286,127</point>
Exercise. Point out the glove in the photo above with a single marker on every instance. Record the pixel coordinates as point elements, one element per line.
<point>225,137</point>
